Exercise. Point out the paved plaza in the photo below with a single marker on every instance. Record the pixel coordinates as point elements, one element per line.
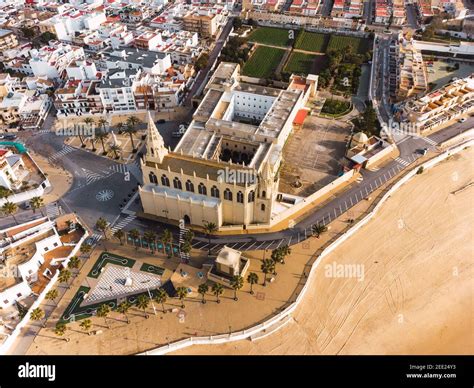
<point>112,283</point>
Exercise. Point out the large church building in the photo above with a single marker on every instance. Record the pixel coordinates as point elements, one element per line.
<point>225,169</point>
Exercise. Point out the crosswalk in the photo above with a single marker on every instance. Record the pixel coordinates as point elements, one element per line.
<point>123,223</point>
<point>429,141</point>
<point>402,162</point>
<point>64,151</point>
<point>92,176</point>
<point>120,168</point>
<point>95,238</point>
<point>52,210</point>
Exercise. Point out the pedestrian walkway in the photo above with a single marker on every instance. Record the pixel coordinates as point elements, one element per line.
<point>182,233</point>
<point>64,151</point>
<point>123,223</point>
<point>402,162</point>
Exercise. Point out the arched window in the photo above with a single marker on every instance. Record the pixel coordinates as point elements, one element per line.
<point>177,184</point>
<point>189,186</point>
<point>264,194</point>
<point>214,192</point>
<point>202,189</point>
<point>228,194</point>
<point>152,177</point>
<point>251,196</point>
<point>240,197</point>
<point>263,207</point>
<point>165,181</point>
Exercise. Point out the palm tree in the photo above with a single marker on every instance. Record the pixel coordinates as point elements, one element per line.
<point>150,237</point>
<point>166,240</point>
<point>60,330</point>
<point>285,251</point>
<point>130,124</point>
<point>182,293</point>
<point>101,123</point>
<point>143,302</point>
<point>186,247</point>
<point>123,308</point>
<point>161,297</point>
<point>119,234</point>
<point>89,121</point>
<point>189,236</point>
<point>203,289</point>
<point>64,276</point>
<point>52,295</point>
<point>37,314</point>
<point>210,228</point>
<point>217,290</point>
<point>135,235</point>
<point>102,136</point>
<point>85,249</point>
<point>102,312</point>
<point>102,225</point>
<point>319,229</point>
<point>36,203</point>
<point>252,278</point>
<point>277,256</point>
<point>115,149</point>
<point>119,127</point>
<point>10,208</point>
<point>85,325</point>
<point>237,282</point>
<point>268,266</point>
<point>73,263</point>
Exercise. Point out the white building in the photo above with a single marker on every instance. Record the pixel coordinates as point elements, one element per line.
<point>51,61</point>
<point>116,91</point>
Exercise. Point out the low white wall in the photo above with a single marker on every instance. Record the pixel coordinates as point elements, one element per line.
<point>27,195</point>
<point>280,318</point>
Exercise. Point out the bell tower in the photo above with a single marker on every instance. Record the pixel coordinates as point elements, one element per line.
<point>155,146</point>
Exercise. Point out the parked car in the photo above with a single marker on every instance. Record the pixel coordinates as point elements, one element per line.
<point>10,136</point>
<point>423,151</point>
<point>161,121</point>
<point>26,205</point>
<point>462,120</point>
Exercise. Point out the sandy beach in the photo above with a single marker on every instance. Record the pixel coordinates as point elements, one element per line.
<point>416,292</point>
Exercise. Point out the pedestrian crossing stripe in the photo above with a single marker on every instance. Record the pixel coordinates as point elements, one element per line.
<point>64,151</point>
<point>95,238</point>
<point>52,211</point>
<point>402,162</point>
<point>429,141</point>
<point>123,223</point>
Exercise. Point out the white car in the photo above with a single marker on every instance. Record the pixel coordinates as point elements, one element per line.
<point>462,120</point>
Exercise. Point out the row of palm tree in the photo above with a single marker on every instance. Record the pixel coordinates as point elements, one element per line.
<point>10,208</point>
<point>129,127</point>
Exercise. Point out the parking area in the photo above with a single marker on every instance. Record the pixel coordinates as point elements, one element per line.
<point>312,155</point>
<point>441,72</point>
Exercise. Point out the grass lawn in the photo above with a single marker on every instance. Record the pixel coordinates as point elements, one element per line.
<point>335,107</point>
<point>271,36</point>
<point>300,63</point>
<point>152,269</point>
<point>312,41</point>
<point>359,45</point>
<point>263,62</point>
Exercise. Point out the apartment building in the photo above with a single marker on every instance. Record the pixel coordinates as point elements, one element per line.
<point>134,58</point>
<point>78,97</point>
<point>413,77</point>
<point>201,21</point>
<point>12,169</point>
<point>442,105</point>
<point>116,91</point>
<point>8,40</point>
<point>148,40</point>
<point>24,110</point>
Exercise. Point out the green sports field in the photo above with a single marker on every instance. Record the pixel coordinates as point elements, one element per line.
<point>312,41</point>
<point>271,36</point>
<point>263,62</point>
<point>359,45</point>
<point>300,63</point>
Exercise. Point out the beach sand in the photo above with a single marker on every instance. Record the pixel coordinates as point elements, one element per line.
<point>416,296</point>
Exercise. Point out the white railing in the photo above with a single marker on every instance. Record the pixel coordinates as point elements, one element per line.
<point>279,318</point>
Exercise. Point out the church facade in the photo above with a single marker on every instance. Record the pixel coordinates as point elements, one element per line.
<point>225,169</point>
